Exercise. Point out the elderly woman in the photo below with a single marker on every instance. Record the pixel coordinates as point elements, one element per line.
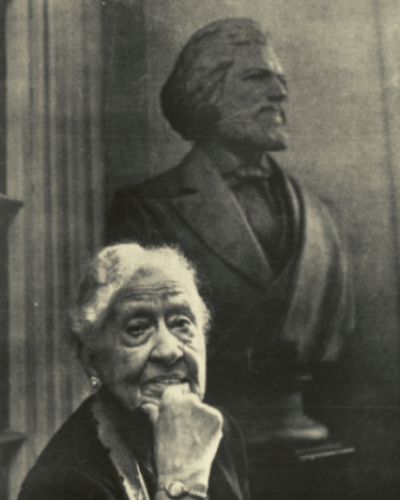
<point>140,327</point>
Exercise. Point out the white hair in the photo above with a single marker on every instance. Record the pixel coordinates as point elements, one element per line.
<point>111,271</point>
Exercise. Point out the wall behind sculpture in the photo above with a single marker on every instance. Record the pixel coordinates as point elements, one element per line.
<point>340,59</point>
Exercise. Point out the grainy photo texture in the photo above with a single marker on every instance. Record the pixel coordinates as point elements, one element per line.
<point>199,252</point>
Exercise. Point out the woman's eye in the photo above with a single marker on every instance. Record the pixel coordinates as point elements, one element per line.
<point>181,323</point>
<point>137,328</point>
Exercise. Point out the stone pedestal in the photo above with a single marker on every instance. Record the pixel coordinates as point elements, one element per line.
<point>299,471</point>
<point>291,455</point>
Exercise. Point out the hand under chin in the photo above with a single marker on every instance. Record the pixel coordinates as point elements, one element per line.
<point>152,395</point>
<point>187,436</point>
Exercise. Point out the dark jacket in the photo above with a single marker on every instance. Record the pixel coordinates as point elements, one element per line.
<point>76,466</point>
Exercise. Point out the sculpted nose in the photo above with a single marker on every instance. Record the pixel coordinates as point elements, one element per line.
<point>167,348</point>
<point>277,91</point>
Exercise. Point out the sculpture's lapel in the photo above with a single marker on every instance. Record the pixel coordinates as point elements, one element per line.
<point>211,209</point>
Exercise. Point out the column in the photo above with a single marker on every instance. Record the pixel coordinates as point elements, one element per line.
<point>55,167</point>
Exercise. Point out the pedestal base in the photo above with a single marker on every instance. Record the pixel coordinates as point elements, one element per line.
<point>299,471</point>
<point>291,456</point>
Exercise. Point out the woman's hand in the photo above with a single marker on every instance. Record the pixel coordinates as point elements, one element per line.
<point>187,435</point>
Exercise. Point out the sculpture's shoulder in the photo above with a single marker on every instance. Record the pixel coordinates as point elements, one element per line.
<point>306,197</point>
<point>164,185</point>
<point>314,214</point>
<point>316,203</point>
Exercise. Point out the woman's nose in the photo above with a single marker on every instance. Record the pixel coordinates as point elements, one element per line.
<point>168,348</point>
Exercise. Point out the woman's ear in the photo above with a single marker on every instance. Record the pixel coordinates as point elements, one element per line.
<point>86,357</point>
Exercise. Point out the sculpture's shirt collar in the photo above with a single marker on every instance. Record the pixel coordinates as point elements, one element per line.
<point>234,168</point>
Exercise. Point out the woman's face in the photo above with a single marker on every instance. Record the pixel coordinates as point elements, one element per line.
<point>153,338</point>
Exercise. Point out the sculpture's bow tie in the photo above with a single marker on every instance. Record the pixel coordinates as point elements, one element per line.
<point>249,173</point>
<point>253,171</point>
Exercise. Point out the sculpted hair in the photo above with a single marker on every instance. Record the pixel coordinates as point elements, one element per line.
<point>108,276</point>
<point>190,95</point>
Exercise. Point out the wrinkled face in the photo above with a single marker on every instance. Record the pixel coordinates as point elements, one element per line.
<point>250,108</point>
<point>153,338</point>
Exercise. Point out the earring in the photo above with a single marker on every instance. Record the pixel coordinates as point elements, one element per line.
<point>96,383</point>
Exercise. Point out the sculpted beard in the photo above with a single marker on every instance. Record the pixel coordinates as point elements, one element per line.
<point>262,130</point>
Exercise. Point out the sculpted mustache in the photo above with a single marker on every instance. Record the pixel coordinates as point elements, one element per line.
<point>270,109</point>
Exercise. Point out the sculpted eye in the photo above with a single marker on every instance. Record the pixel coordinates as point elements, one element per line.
<point>256,76</point>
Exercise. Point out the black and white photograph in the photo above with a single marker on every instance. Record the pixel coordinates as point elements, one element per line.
<point>199,250</point>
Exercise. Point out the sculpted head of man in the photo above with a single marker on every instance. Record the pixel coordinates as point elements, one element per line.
<point>228,86</point>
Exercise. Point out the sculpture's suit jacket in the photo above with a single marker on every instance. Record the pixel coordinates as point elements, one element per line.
<point>307,308</point>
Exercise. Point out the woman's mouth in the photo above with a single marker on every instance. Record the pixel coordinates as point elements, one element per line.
<point>163,380</point>
<point>154,387</point>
